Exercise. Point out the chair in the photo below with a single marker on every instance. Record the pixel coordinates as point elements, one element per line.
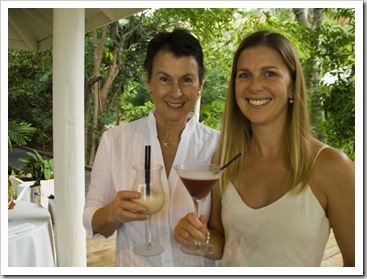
<point>15,182</point>
<point>22,189</point>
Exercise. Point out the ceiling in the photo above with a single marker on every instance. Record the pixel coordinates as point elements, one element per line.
<point>31,29</point>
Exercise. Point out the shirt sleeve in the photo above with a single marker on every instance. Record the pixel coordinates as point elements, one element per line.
<point>101,190</point>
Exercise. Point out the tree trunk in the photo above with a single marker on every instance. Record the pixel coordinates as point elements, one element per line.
<point>112,73</point>
<point>100,96</point>
<point>311,68</point>
<point>113,70</point>
<point>197,108</point>
<point>87,93</point>
<point>97,57</point>
<point>301,16</point>
<point>317,17</point>
<point>94,125</point>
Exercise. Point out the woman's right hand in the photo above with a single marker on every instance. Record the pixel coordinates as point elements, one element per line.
<point>124,209</point>
<point>190,228</point>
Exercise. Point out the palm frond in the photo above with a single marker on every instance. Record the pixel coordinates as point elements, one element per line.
<point>19,132</point>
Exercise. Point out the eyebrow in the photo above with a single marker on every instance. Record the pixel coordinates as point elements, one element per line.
<point>262,68</point>
<point>185,75</point>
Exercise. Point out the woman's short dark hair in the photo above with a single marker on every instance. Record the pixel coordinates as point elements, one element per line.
<point>180,43</point>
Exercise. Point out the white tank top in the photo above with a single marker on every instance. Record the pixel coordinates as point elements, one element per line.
<point>292,231</point>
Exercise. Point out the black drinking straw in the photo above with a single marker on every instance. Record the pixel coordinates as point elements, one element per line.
<point>231,161</point>
<point>147,169</point>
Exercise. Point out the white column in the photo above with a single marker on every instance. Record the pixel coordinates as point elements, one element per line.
<point>68,133</point>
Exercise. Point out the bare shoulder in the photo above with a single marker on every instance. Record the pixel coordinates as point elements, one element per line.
<point>333,171</point>
<point>332,161</point>
<point>333,183</point>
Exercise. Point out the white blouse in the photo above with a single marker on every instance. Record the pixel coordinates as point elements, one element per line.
<point>119,149</point>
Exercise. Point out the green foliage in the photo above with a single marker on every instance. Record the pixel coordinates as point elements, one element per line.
<point>19,132</point>
<point>132,113</point>
<point>339,106</point>
<point>212,113</point>
<point>335,96</point>
<point>220,31</point>
<point>30,93</point>
<point>36,166</point>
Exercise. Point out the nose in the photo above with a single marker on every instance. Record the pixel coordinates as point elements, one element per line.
<point>256,84</point>
<point>176,90</point>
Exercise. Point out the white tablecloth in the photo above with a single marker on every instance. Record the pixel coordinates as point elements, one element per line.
<point>30,236</point>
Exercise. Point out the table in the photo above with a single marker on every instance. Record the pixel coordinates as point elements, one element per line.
<point>30,236</point>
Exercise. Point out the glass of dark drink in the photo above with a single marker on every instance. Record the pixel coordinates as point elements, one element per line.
<point>199,179</point>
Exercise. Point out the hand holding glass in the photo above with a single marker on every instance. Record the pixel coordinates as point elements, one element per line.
<point>199,181</point>
<point>153,197</point>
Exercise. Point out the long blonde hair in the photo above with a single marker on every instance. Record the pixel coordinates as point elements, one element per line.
<point>236,129</point>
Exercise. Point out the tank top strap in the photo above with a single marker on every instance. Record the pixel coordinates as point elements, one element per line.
<point>318,153</point>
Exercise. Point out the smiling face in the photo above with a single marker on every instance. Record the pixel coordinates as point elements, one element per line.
<point>263,86</point>
<point>175,86</point>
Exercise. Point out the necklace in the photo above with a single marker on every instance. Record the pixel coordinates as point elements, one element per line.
<point>166,144</point>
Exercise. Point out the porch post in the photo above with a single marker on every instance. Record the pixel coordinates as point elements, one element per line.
<point>68,134</point>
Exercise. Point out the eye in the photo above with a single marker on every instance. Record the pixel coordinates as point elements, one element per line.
<point>164,79</point>
<point>187,80</point>
<point>270,74</point>
<point>243,75</point>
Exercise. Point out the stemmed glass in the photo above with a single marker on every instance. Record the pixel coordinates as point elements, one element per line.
<point>153,197</point>
<point>199,179</point>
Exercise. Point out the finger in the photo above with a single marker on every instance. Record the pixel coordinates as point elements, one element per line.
<point>202,219</point>
<point>184,240</point>
<point>126,216</point>
<point>132,206</point>
<point>196,232</point>
<point>127,195</point>
<point>193,220</point>
<point>181,235</point>
<point>125,200</point>
<point>190,228</point>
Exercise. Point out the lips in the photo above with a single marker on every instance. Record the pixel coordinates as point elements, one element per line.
<point>174,105</point>
<point>259,102</point>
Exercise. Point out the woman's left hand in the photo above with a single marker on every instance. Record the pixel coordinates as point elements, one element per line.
<point>190,228</point>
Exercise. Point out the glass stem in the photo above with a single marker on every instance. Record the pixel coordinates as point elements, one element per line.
<point>148,234</point>
<point>199,205</point>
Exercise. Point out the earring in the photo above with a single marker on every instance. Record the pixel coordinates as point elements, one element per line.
<point>291,101</point>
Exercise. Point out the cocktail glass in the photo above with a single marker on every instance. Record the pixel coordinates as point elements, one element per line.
<point>153,197</point>
<point>199,179</point>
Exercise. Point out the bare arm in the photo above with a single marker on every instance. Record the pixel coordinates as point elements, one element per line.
<point>107,219</point>
<point>215,226</point>
<point>336,177</point>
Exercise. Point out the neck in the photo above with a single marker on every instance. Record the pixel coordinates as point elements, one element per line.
<point>267,142</point>
<point>169,132</point>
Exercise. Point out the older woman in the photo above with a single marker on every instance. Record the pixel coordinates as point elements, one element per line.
<point>174,76</point>
<point>276,205</point>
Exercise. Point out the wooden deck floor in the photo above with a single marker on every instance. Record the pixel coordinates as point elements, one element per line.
<point>101,252</point>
